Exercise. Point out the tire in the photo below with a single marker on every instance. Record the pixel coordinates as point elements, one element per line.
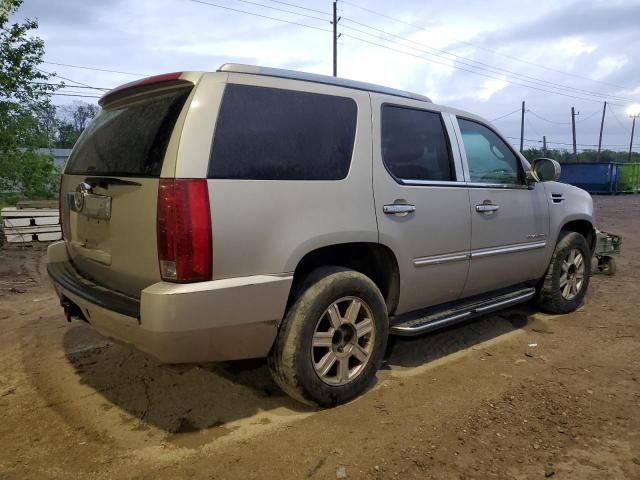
<point>607,265</point>
<point>552,295</point>
<point>308,339</point>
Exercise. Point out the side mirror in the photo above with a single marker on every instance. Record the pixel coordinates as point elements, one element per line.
<point>544,170</point>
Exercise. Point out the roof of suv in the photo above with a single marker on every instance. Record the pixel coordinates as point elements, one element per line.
<point>314,77</point>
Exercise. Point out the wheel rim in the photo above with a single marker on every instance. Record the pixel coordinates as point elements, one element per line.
<point>572,276</point>
<point>343,341</point>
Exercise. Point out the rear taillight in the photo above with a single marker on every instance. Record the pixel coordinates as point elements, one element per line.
<point>60,212</point>
<point>184,230</point>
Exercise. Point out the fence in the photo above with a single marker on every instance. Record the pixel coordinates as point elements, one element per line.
<point>22,225</point>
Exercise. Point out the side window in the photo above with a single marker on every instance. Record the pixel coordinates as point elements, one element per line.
<point>414,145</point>
<point>275,134</point>
<point>490,160</point>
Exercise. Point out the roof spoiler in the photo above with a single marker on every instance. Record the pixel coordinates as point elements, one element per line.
<point>166,79</point>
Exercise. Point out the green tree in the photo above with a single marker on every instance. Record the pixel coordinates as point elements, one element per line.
<point>25,94</point>
<point>73,120</point>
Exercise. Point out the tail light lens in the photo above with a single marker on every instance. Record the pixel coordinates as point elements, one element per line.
<point>184,230</point>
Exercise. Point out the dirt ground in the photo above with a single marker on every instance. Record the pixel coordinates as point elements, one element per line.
<point>518,395</point>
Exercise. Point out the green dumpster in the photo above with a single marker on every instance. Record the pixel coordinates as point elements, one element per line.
<point>628,178</point>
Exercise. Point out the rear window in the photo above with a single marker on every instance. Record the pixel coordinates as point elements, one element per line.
<point>274,134</point>
<point>128,141</point>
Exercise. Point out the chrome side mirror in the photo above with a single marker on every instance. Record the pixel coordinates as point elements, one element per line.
<point>544,170</point>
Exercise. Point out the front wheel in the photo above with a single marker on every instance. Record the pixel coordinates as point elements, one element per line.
<point>567,279</point>
<point>332,339</point>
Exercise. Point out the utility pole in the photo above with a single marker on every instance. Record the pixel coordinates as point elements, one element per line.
<point>573,129</point>
<point>522,129</point>
<point>544,144</point>
<point>633,127</point>
<point>336,19</point>
<point>604,111</point>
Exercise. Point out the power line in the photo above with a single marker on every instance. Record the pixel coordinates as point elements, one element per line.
<point>97,69</point>
<point>76,95</point>
<point>504,116</point>
<point>389,48</point>
<point>480,47</point>
<point>464,60</point>
<point>618,120</point>
<point>70,94</point>
<point>547,120</point>
<point>480,65</point>
<point>471,71</point>
<point>283,10</point>
<point>65,86</point>
<point>64,78</point>
<point>567,143</point>
<point>535,130</point>
<point>587,117</point>
<point>259,15</point>
<point>300,7</point>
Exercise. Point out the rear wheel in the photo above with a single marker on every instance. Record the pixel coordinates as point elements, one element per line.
<point>565,283</point>
<point>333,338</point>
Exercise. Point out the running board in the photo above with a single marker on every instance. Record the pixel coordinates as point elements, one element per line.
<point>434,320</point>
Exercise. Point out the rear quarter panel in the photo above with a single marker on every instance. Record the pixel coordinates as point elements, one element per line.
<point>267,226</point>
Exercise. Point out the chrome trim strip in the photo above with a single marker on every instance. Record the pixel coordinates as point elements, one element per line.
<point>409,331</point>
<point>509,301</point>
<point>442,183</point>
<point>512,186</point>
<point>440,259</point>
<point>433,183</point>
<point>471,310</point>
<point>507,249</point>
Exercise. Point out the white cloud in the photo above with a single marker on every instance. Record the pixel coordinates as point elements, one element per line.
<point>489,88</point>
<point>574,46</point>
<point>608,65</point>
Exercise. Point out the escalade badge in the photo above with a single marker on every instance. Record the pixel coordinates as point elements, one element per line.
<point>78,196</point>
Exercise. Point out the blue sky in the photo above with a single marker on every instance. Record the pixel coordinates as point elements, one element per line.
<point>474,55</point>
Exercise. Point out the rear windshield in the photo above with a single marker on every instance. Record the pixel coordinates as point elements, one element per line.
<point>130,140</point>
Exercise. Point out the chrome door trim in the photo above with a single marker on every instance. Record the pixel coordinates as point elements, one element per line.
<point>433,183</point>
<point>520,247</point>
<point>398,209</point>
<point>512,186</point>
<point>440,259</point>
<point>487,208</point>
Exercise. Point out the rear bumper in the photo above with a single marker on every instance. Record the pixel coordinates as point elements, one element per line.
<point>181,323</point>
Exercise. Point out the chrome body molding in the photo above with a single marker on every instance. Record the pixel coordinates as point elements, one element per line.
<point>440,259</point>
<point>460,256</point>
<point>521,247</point>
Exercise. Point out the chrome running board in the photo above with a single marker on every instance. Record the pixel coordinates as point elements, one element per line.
<point>442,318</point>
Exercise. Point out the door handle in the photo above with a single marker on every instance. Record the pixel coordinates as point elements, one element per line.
<point>400,209</point>
<point>487,207</point>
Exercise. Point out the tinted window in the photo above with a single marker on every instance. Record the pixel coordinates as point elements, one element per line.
<point>273,134</point>
<point>490,160</point>
<point>414,144</point>
<point>130,140</point>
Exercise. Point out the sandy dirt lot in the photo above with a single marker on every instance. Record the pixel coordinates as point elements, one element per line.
<point>517,395</point>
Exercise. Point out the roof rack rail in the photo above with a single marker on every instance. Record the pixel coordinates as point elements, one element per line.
<point>316,78</point>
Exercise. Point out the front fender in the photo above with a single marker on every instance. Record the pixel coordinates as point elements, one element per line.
<point>567,204</point>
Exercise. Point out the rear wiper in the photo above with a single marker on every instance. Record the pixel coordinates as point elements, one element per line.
<point>104,182</point>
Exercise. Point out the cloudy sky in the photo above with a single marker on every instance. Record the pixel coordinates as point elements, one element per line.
<point>483,56</point>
